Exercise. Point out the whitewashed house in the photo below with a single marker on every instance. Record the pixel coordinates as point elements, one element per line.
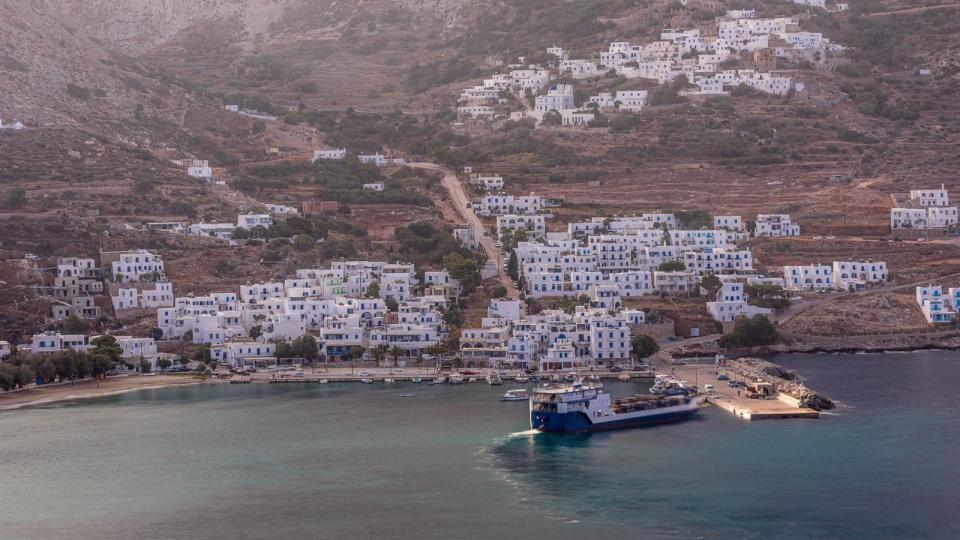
<point>249,221</point>
<point>775,225</point>
<point>136,266</point>
<point>808,277</point>
<point>855,275</point>
<point>934,305</point>
<point>334,154</point>
<point>731,303</point>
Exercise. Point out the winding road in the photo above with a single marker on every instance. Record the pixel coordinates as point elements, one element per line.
<point>462,204</point>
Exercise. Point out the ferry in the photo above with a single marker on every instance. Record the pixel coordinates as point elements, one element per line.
<point>584,408</point>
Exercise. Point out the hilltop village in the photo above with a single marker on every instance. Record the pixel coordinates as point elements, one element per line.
<point>683,61</point>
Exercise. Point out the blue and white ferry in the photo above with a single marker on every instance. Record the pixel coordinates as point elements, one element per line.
<point>582,408</point>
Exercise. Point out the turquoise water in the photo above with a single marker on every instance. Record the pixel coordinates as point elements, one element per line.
<point>262,461</point>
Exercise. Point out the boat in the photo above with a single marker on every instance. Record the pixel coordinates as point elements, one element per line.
<point>415,380</point>
<point>625,377</point>
<point>389,381</point>
<point>556,377</point>
<point>472,379</point>
<point>407,395</point>
<point>517,394</point>
<point>439,380</point>
<point>668,385</point>
<point>324,381</point>
<point>522,379</point>
<point>366,380</point>
<point>456,378</point>
<point>494,379</point>
<point>594,377</point>
<point>585,408</point>
<point>534,378</point>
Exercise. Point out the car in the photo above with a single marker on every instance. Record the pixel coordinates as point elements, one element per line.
<point>831,237</point>
<point>818,237</point>
<point>921,239</point>
<point>616,369</point>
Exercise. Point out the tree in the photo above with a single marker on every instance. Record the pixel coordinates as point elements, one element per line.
<point>712,284</point>
<point>356,351</point>
<point>552,119</point>
<point>643,346</point>
<point>100,364</point>
<point>259,127</point>
<point>499,291</point>
<point>156,334</point>
<point>145,366</point>
<point>513,266</point>
<point>15,198</point>
<point>373,291</point>
<point>671,266</point>
<point>395,353</point>
<point>752,332</point>
<point>303,242</point>
<point>201,367</point>
<point>107,347</point>
<point>452,316</point>
<point>391,304</point>
<point>164,364</point>
<point>256,331</point>
<point>75,325</point>
<point>463,269</point>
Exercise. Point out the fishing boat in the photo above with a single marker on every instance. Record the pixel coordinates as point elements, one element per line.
<point>324,381</point>
<point>366,380</point>
<point>456,378</point>
<point>472,379</point>
<point>517,394</point>
<point>584,408</point>
<point>415,380</point>
<point>494,379</point>
<point>388,381</point>
<point>625,377</point>
<point>594,377</point>
<point>407,395</point>
<point>522,379</point>
<point>439,380</point>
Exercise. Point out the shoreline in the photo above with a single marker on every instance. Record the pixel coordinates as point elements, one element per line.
<point>45,395</point>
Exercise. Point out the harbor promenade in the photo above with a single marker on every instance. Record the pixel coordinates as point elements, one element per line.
<point>735,400</point>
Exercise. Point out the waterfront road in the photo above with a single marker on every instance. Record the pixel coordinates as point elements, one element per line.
<point>462,204</point>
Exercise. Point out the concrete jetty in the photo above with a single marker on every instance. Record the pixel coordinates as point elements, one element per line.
<point>734,399</point>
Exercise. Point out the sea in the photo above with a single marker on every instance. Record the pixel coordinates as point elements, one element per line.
<point>453,462</point>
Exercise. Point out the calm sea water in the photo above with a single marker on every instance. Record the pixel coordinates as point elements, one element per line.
<point>265,461</point>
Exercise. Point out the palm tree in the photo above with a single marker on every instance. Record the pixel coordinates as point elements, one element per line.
<point>395,352</point>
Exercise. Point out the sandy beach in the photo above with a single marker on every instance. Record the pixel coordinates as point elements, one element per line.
<point>40,395</point>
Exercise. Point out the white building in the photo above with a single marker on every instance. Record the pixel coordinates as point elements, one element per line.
<point>331,154</point>
<point>534,226</point>
<point>773,225</point>
<point>934,305</point>
<point>731,303</point>
<point>136,265</point>
<point>281,210</point>
<point>855,275</point>
<point>51,342</point>
<point>375,186</point>
<point>558,98</point>
<point>249,221</point>
<point>808,277</point>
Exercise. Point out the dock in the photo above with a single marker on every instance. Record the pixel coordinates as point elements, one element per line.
<point>399,376</point>
<point>735,400</point>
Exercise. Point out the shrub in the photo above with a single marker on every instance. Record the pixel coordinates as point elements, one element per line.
<point>78,92</point>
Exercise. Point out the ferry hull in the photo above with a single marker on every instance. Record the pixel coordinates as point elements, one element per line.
<point>578,422</point>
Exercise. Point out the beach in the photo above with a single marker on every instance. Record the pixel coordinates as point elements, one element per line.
<point>44,394</point>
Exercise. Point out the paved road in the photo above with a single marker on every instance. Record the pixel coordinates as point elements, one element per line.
<point>461,203</point>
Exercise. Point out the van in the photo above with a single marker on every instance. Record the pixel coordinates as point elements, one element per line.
<point>709,388</point>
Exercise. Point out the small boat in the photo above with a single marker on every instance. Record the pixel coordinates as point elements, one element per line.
<point>522,379</point>
<point>439,380</point>
<point>415,380</point>
<point>569,378</point>
<point>455,378</point>
<point>366,380</point>
<point>494,379</point>
<point>556,377</point>
<point>324,381</point>
<point>407,395</point>
<point>534,378</point>
<point>472,379</point>
<point>625,377</point>
<point>388,381</point>
<point>594,377</point>
<point>517,394</point>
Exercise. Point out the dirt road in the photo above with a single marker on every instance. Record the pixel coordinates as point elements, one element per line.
<point>461,202</point>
